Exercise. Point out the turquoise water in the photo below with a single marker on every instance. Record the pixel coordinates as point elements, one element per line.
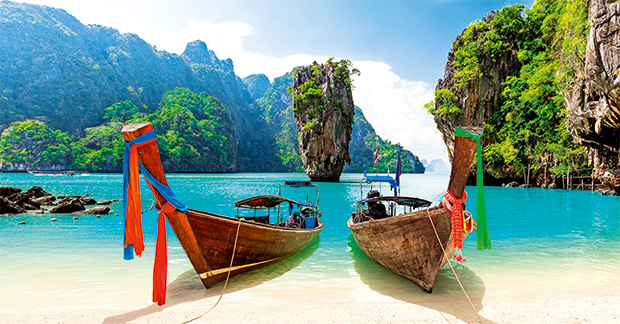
<point>541,238</point>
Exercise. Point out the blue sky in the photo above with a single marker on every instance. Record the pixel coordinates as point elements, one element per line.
<point>401,47</point>
<point>413,37</point>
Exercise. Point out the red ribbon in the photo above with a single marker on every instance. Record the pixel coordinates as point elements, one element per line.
<point>160,267</point>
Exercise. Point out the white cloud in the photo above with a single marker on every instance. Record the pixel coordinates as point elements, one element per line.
<point>226,37</point>
<point>226,40</point>
<point>395,109</point>
<point>391,104</point>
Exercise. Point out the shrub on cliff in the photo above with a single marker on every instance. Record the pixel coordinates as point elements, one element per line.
<point>33,144</point>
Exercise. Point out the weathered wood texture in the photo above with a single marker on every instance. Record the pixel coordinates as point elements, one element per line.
<point>208,239</point>
<point>406,244</point>
<point>257,244</point>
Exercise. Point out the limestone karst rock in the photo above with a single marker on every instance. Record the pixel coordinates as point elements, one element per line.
<point>324,111</point>
<point>478,98</point>
<point>594,98</point>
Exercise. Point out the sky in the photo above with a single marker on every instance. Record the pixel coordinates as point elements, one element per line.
<point>399,46</point>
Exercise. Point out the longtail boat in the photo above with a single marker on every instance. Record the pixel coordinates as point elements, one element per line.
<point>417,242</point>
<point>208,238</point>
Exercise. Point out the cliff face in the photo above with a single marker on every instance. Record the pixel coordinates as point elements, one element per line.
<point>324,111</point>
<point>56,69</point>
<point>478,97</point>
<point>593,100</point>
<point>257,85</point>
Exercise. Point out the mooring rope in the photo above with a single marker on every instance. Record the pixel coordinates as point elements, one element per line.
<point>450,263</point>
<point>227,277</point>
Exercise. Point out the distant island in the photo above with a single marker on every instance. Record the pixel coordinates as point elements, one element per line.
<point>435,166</point>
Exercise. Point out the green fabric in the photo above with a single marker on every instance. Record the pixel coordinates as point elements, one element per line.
<point>483,238</point>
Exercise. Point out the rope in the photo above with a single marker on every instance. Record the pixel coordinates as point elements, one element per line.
<point>227,277</point>
<point>450,263</point>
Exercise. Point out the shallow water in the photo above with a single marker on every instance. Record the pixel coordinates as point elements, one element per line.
<point>543,239</point>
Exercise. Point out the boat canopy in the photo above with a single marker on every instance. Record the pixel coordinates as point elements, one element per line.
<point>407,201</point>
<point>268,201</point>
<point>381,178</point>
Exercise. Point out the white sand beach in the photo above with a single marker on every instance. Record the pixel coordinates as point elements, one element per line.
<point>272,297</point>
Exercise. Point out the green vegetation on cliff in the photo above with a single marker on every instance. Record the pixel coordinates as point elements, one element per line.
<point>526,131</point>
<point>33,143</point>
<point>278,113</point>
<point>310,95</point>
<point>101,149</point>
<point>195,133</point>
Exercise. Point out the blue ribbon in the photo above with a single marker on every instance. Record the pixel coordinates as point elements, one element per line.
<point>164,190</point>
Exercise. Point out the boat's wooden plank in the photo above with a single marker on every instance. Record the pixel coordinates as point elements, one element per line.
<point>461,164</point>
<point>255,242</point>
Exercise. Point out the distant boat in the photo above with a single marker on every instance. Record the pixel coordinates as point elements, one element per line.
<point>208,238</point>
<point>51,173</point>
<point>406,243</point>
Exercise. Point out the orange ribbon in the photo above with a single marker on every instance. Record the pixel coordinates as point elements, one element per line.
<point>133,219</point>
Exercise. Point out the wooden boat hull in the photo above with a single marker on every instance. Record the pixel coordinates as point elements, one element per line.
<point>407,245</point>
<point>258,244</point>
<point>208,239</point>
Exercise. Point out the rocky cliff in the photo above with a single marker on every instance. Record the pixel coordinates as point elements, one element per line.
<point>324,111</point>
<point>55,69</point>
<point>593,99</point>
<point>548,102</point>
<point>257,85</point>
<point>474,98</point>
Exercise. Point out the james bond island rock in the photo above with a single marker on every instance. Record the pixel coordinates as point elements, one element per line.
<point>324,111</point>
<point>594,98</point>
